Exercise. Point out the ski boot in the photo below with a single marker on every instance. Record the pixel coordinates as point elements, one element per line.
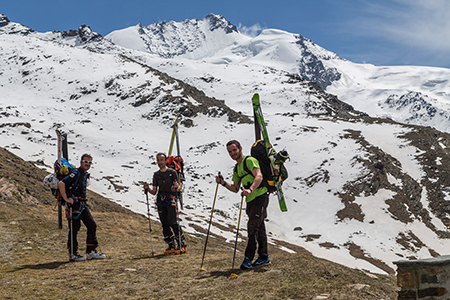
<point>170,249</point>
<point>181,248</point>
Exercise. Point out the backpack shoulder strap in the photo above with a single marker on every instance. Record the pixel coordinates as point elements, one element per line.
<point>78,184</point>
<point>246,169</point>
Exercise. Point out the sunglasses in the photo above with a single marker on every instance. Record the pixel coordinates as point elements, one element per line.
<point>87,162</point>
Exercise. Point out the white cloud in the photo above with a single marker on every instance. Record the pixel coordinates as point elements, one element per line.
<point>397,32</point>
<point>419,23</point>
<point>252,31</point>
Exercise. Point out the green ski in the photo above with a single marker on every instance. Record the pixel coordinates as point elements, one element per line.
<point>275,161</point>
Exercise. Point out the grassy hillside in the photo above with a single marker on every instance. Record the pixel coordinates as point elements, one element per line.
<point>34,260</point>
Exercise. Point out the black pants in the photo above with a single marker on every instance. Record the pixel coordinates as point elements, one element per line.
<point>167,211</point>
<point>88,221</point>
<point>257,211</point>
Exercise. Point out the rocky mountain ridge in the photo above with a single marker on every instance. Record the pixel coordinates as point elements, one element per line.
<point>364,86</point>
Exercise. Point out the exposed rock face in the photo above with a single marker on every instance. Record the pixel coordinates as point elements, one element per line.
<point>3,20</point>
<point>219,22</point>
<point>417,108</point>
<point>191,103</point>
<point>379,164</point>
<point>312,68</point>
<point>6,26</point>
<point>416,103</point>
<point>435,159</point>
<point>407,203</point>
<point>170,39</point>
<point>86,35</point>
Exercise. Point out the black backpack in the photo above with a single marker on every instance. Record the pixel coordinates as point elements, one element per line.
<point>259,152</point>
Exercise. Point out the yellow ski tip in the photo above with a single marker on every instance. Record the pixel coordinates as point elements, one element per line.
<point>202,269</point>
<point>233,275</point>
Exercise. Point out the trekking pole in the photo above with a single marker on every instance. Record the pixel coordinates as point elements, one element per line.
<point>71,230</point>
<point>179,226</point>
<point>209,226</point>
<point>149,222</point>
<point>237,235</point>
<point>60,226</point>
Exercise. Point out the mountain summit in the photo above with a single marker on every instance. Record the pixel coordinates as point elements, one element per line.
<point>187,38</point>
<point>215,40</point>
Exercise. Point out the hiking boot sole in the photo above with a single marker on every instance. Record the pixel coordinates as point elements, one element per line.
<point>180,252</point>
<point>96,257</point>
<point>261,265</point>
<point>76,259</point>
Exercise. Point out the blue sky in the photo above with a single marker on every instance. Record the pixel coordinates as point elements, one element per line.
<point>382,32</point>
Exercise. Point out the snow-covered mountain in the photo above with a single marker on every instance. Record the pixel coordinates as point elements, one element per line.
<point>361,191</point>
<point>215,40</point>
<point>191,38</point>
<point>366,87</point>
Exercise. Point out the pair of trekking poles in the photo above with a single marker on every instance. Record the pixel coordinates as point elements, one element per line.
<point>209,227</point>
<point>150,224</point>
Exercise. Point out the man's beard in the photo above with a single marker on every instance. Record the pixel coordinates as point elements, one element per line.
<point>239,154</point>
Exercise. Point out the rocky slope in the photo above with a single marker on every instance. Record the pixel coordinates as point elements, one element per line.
<point>33,257</point>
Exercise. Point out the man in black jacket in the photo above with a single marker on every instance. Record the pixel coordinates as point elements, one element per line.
<point>165,184</point>
<point>73,191</point>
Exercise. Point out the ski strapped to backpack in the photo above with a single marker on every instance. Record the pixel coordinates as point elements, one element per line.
<point>277,159</point>
<point>62,168</point>
<point>176,162</point>
<point>258,151</point>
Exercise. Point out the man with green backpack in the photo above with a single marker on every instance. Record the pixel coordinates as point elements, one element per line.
<point>257,200</point>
